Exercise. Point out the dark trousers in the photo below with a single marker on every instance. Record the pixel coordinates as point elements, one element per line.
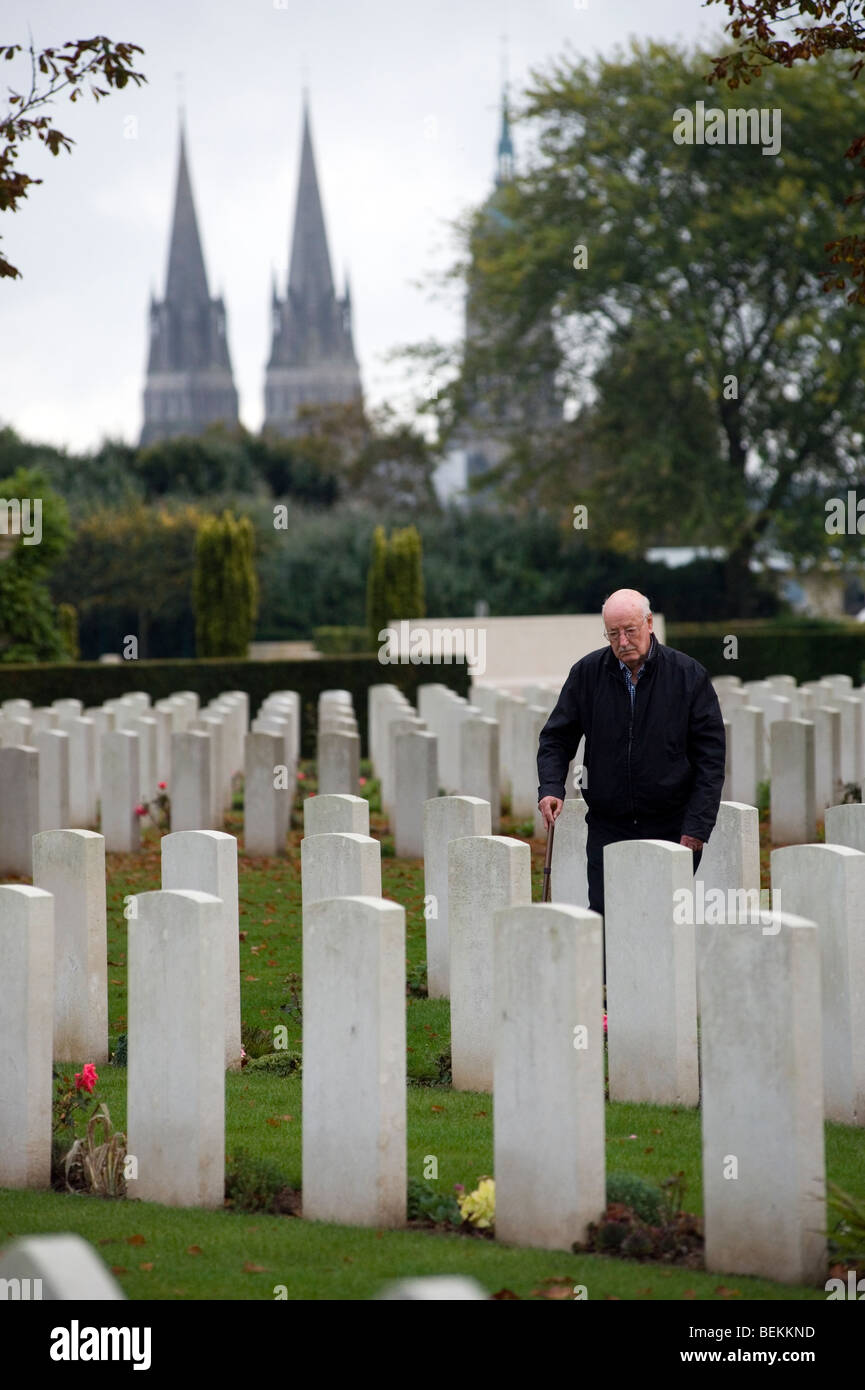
<point>601,833</point>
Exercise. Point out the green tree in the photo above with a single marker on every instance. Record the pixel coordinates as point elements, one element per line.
<point>803,39</point>
<point>712,380</point>
<point>377,615</point>
<point>53,71</point>
<point>34,533</point>
<point>225,588</point>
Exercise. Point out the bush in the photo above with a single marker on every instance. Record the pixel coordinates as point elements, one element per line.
<point>285,1063</point>
<point>636,1193</point>
<point>343,641</point>
<point>429,1203</point>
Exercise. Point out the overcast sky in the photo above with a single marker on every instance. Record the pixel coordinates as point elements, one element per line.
<point>92,240</point>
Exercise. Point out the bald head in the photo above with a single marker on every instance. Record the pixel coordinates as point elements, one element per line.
<point>627,614</point>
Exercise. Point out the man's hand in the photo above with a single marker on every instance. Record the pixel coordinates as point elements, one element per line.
<point>550,808</point>
<point>690,843</point>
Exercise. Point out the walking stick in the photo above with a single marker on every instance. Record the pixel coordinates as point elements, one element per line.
<point>548,860</point>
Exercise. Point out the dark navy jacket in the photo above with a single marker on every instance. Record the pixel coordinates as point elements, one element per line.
<point>662,761</point>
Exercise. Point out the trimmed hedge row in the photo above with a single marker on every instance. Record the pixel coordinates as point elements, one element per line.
<point>808,653</point>
<point>93,681</point>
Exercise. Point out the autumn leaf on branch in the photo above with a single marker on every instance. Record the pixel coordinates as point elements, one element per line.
<point>53,71</point>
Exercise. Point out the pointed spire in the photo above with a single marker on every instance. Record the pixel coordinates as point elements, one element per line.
<point>505,149</point>
<point>309,273</point>
<point>187,278</point>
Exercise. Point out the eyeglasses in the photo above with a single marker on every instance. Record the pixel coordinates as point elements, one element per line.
<point>627,632</point>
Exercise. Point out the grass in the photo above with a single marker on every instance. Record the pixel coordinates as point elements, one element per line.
<point>246,1257</point>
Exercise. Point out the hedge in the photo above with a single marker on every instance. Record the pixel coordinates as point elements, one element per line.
<point>769,649</point>
<point>93,682</point>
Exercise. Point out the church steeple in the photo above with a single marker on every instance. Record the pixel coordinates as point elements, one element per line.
<point>312,357</point>
<point>189,380</point>
<point>505,150</point>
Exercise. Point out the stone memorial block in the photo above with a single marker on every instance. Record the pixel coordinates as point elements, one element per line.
<point>70,864</point>
<point>651,972</point>
<point>26,1027</point>
<point>549,1138</point>
<point>485,873</point>
<point>764,1200</point>
<point>446,818</point>
<point>354,1087</point>
<point>206,860</point>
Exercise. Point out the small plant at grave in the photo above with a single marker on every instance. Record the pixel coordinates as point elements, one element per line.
<point>387,847</point>
<point>256,1042</point>
<point>294,1010</point>
<point>237,781</point>
<point>157,811</point>
<point>632,1191</point>
<point>851,794</point>
<point>416,981</point>
<point>763,799</point>
<point>445,1068</point>
<point>429,1204</point>
<point>674,1237</point>
<point>524,830</point>
<point>80,1163</point>
<point>479,1207</point>
<point>847,1236</point>
<point>254,1184</point>
<point>119,1057</point>
<point>285,1063</point>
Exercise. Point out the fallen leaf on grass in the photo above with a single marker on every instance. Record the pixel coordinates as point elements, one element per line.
<point>505,1294</point>
<point>273,1122</point>
<point>250,979</point>
<point>147,1266</point>
<point>436,1109</point>
<point>556,1286</point>
<point>136,1240</point>
<point>724,1292</point>
<point>612,1298</point>
<point>650,1150</point>
<point>689,1293</point>
<point>107,1240</point>
<point>115,982</point>
<point>250,1268</point>
<point>194,1250</point>
<point>479,1115</point>
<point>119,1269</point>
<point>645,1291</point>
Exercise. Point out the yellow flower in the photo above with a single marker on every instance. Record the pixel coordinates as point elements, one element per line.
<point>479,1206</point>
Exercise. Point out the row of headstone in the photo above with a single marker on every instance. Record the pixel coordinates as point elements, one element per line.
<point>97,770</point>
<point>53,1007</point>
<point>337,744</point>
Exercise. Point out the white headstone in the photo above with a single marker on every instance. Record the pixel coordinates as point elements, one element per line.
<point>826,884</point>
<point>651,973</point>
<point>416,781</point>
<point>206,860</point>
<point>764,1202</point>
<point>845,825</point>
<point>19,809</point>
<point>479,754</point>
<point>827,756</point>
<point>176,1038</point>
<point>548,1075</point>
<point>354,1088</point>
<point>568,879</point>
<point>445,818</point>
<point>27,1029</point>
<point>793,806</point>
<point>335,814</point>
<point>263,795</point>
<point>71,865</point>
<point>52,746</point>
<point>748,763</point>
<point>339,866</point>
<point>338,762</point>
<point>485,873</point>
<point>120,774</point>
<point>191,801</point>
<point>63,1268</point>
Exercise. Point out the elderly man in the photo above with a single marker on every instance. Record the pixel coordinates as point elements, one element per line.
<point>655,744</point>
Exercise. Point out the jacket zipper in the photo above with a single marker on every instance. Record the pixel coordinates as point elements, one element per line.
<point>630,740</point>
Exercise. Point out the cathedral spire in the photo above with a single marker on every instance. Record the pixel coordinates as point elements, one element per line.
<point>505,149</point>
<point>309,272</point>
<point>187,277</point>
<point>189,380</point>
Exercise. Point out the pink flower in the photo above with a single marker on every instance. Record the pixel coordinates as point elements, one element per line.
<point>301,777</point>
<point>605,1023</point>
<point>162,786</point>
<point>86,1079</point>
<point>141,810</point>
<point>362,781</point>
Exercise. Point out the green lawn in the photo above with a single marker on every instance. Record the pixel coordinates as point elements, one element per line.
<point>248,1256</point>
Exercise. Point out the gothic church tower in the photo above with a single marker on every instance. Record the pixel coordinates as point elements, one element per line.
<point>189,379</point>
<point>312,357</point>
